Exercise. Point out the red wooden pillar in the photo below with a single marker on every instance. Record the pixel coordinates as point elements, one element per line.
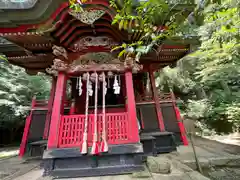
<point>156,99</point>
<point>131,106</point>
<point>26,130</point>
<point>58,108</point>
<point>50,106</point>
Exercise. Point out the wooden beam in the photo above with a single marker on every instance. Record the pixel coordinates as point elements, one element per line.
<point>157,104</point>
<point>50,107</point>
<point>23,145</point>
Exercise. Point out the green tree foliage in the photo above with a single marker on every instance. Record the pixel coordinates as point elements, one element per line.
<point>219,60</point>
<point>147,19</point>
<point>214,68</point>
<point>16,92</point>
<point>17,88</point>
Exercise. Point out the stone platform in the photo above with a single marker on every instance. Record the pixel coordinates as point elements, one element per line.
<point>179,165</point>
<point>155,170</point>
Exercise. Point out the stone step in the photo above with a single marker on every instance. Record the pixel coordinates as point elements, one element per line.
<point>91,172</point>
<point>158,142</point>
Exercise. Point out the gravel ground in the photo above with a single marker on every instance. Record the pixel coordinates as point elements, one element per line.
<point>216,146</point>
<point>14,167</point>
<point>226,171</point>
<point>233,138</point>
<point>223,173</point>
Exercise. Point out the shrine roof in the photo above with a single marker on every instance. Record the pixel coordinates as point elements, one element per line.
<point>31,32</point>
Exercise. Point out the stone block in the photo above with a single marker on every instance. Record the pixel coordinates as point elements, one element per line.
<point>225,161</point>
<point>142,174</point>
<point>180,166</point>
<point>196,176</point>
<point>159,165</point>
<point>192,163</point>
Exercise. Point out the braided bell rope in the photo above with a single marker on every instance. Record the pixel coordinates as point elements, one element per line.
<point>104,145</point>
<point>84,144</point>
<point>95,137</point>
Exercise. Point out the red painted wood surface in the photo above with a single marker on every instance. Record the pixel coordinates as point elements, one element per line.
<point>183,133</point>
<point>118,129</point>
<point>180,124</point>
<point>108,110</point>
<point>50,106</point>
<point>156,99</point>
<point>131,106</point>
<point>26,131</point>
<point>43,104</point>
<point>25,136</point>
<point>58,107</point>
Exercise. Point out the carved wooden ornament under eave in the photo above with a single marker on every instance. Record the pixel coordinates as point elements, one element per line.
<point>88,16</point>
<point>90,42</point>
<point>75,68</point>
<point>60,51</point>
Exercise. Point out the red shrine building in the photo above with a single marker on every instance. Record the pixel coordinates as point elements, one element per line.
<point>103,113</point>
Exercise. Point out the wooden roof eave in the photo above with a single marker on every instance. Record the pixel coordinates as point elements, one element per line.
<point>42,12</point>
<point>21,39</point>
<point>43,9</point>
<point>39,13</point>
<point>30,71</point>
<point>5,48</point>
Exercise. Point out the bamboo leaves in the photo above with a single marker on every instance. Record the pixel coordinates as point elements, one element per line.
<point>3,58</point>
<point>121,24</point>
<point>76,5</point>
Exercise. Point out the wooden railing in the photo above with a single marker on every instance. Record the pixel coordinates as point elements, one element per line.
<point>118,127</point>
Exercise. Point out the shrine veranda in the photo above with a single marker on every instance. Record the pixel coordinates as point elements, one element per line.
<point>115,115</point>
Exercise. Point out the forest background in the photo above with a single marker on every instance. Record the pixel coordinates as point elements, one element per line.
<point>207,80</point>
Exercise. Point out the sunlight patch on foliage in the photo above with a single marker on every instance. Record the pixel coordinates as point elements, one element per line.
<point>197,109</point>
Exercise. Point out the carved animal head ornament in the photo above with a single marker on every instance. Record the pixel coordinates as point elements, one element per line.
<point>91,41</point>
<point>60,65</point>
<point>52,71</point>
<point>96,58</point>
<point>60,51</point>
